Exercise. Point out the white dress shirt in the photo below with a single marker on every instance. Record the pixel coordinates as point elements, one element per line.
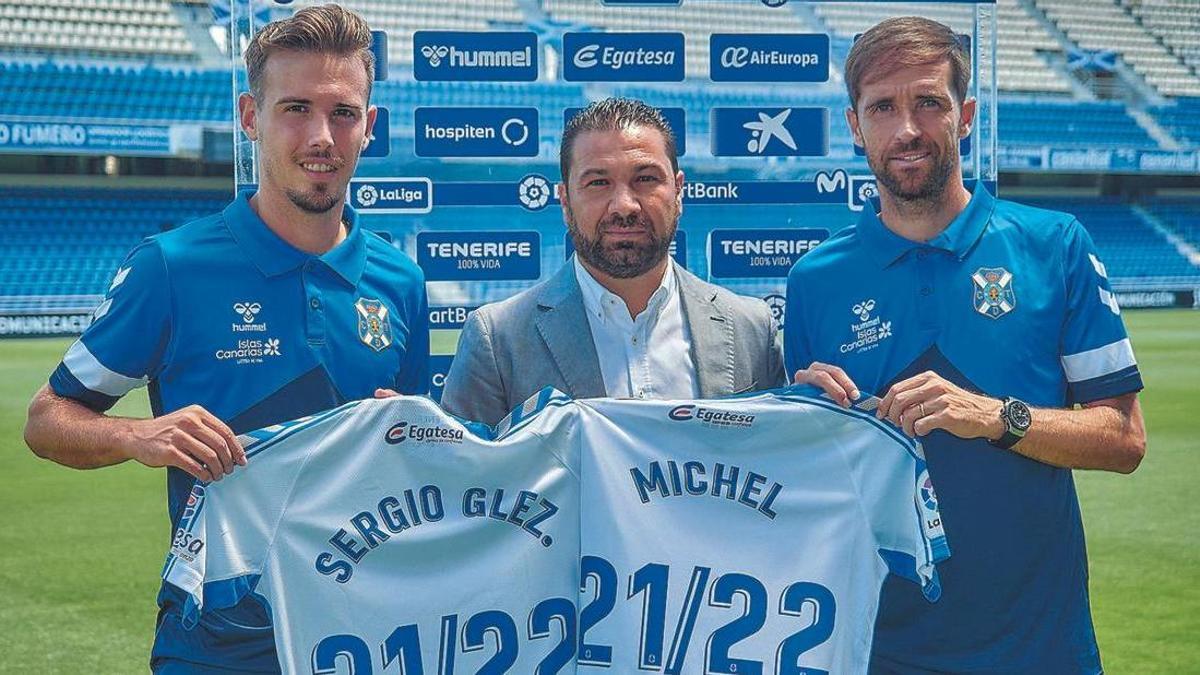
<point>647,356</point>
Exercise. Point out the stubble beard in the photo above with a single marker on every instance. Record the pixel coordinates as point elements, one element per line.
<point>929,192</point>
<point>624,259</point>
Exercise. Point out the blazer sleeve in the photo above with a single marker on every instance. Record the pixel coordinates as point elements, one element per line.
<point>474,387</point>
<point>775,376</point>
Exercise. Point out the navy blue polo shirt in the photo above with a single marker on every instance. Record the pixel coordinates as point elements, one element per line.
<point>223,313</point>
<point>1008,300</point>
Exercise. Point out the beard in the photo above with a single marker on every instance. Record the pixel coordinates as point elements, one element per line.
<point>624,259</point>
<point>929,190</point>
<point>318,200</point>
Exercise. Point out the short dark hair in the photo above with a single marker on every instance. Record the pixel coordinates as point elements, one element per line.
<point>611,114</point>
<point>320,29</point>
<point>905,41</point>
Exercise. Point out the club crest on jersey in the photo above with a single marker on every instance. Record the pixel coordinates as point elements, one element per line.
<point>994,296</point>
<point>373,327</point>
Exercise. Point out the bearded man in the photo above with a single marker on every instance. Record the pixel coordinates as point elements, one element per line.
<point>620,319</point>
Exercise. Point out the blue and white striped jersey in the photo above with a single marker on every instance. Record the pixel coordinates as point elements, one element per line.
<point>387,534</point>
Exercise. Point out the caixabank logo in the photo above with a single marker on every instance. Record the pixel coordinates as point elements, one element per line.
<point>770,132</point>
<point>623,57</point>
<point>494,56</point>
<point>390,195</point>
<point>768,57</point>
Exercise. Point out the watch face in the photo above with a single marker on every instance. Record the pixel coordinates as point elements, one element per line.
<point>1018,415</point>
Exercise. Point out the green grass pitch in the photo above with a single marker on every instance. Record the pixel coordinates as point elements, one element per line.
<point>80,552</point>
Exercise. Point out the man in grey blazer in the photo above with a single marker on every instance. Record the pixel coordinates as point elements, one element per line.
<point>621,319</point>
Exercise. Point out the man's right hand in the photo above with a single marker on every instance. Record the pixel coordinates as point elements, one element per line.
<point>191,439</point>
<point>832,380</point>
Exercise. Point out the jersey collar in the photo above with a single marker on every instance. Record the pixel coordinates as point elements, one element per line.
<point>885,247</point>
<point>274,256</point>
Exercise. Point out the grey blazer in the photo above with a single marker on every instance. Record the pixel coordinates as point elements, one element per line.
<point>540,337</point>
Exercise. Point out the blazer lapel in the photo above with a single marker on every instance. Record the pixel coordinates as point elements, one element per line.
<point>563,325</point>
<point>712,335</point>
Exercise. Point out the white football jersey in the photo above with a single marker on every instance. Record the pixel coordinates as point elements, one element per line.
<point>386,536</point>
<point>745,536</point>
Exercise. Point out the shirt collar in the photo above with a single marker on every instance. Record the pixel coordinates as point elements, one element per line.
<point>886,247</point>
<point>274,256</point>
<point>597,300</point>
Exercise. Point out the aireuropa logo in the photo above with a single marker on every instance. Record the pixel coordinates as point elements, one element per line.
<point>390,195</point>
<point>479,256</point>
<point>759,253</point>
<point>710,416</point>
<point>623,57</point>
<point>770,132</point>
<point>476,132</point>
<point>508,56</point>
<point>768,57</point>
<point>432,433</point>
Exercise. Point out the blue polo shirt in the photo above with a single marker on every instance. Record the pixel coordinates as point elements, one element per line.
<point>1008,300</point>
<point>223,313</point>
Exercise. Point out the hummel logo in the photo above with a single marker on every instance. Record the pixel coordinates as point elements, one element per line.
<point>435,54</point>
<point>248,310</point>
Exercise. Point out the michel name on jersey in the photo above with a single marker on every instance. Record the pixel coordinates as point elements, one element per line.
<point>418,507</point>
<point>695,479</point>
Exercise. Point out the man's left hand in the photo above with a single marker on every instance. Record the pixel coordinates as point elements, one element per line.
<point>928,401</point>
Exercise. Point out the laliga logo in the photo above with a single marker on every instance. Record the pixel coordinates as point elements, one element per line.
<point>247,310</point>
<point>586,56</point>
<point>434,54</point>
<point>682,413</point>
<point>867,191</point>
<point>397,433</point>
<point>367,195</point>
<point>533,192</point>
<point>863,309</point>
<point>735,57</point>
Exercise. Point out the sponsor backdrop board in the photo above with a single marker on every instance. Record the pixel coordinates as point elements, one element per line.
<point>462,169</point>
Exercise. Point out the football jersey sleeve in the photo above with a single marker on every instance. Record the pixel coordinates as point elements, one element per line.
<point>1097,357</point>
<point>225,532</point>
<point>898,500</point>
<point>124,346</point>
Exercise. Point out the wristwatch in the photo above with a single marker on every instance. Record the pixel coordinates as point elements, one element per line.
<point>1016,418</point>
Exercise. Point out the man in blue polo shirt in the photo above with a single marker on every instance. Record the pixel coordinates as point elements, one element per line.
<point>983,324</point>
<point>278,307</point>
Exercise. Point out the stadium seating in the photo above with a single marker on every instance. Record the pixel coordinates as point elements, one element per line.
<point>1181,119</point>
<point>1103,25</point>
<point>1129,246</point>
<point>1180,215</point>
<point>70,241</point>
<point>74,90</point>
<point>94,27</point>
<point>1070,124</point>
<point>1171,21</point>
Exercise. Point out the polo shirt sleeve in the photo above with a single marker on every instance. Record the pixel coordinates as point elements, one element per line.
<point>796,351</point>
<point>1097,357</point>
<point>124,346</point>
<point>413,376</point>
